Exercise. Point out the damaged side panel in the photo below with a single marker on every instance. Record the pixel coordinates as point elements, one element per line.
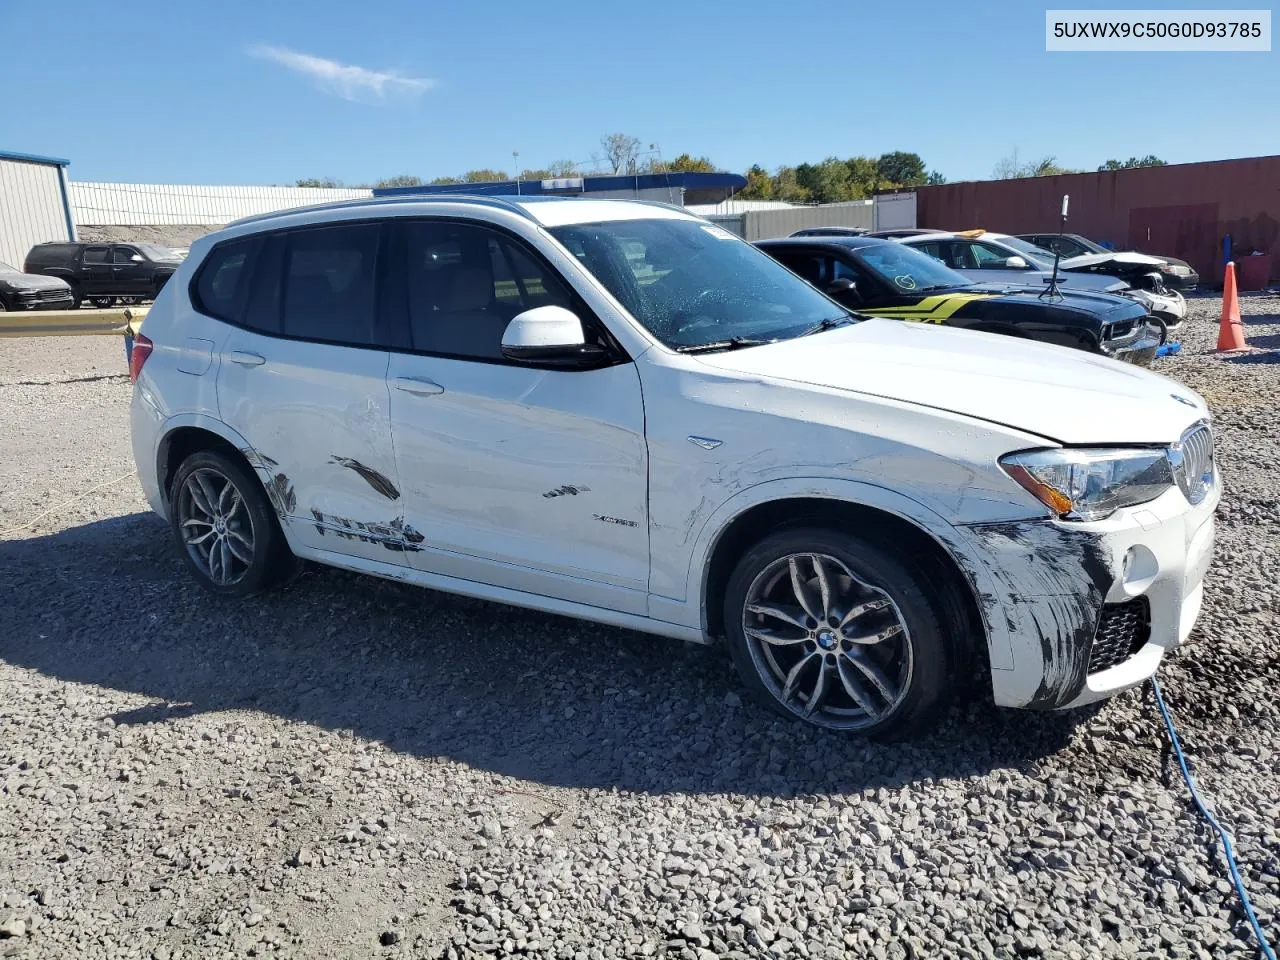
<point>1051,585</point>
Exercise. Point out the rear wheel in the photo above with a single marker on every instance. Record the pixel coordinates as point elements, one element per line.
<point>223,522</point>
<point>830,629</point>
<point>103,302</point>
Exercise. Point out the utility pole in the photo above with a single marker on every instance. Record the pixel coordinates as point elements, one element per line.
<point>515,156</point>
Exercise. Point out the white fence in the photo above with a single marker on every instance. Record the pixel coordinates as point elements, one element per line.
<point>158,204</point>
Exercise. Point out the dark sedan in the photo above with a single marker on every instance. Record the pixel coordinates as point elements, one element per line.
<point>886,279</point>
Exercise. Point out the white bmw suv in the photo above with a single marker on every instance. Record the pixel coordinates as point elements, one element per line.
<point>617,411</point>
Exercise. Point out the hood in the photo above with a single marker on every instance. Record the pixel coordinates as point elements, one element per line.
<point>31,281</point>
<point>1068,396</point>
<point>1127,259</point>
<point>1095,303</point>
<point>1039,278</point>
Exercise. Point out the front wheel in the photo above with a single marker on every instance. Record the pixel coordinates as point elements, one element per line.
<point>830,629</point>
<point>103,302</point>
<point>223,522</point>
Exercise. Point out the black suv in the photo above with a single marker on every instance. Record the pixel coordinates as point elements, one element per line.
<point>104,272</point>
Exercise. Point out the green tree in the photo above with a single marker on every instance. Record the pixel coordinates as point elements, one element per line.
<point>865,177</point>
<point>684,163</point>
<point>759,184</point>
<point>536,175</point>
<point>787,187</point>
<point>1150,160</point>
<point>318,182</point>
<point>402,180</point>
<point>935,179</point>
<point>441,181</point>
<point>563,168</point>
<point>484,175</point>
<point>901,169</point>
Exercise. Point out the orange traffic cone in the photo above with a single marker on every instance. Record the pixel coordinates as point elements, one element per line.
<point>1230,327</point>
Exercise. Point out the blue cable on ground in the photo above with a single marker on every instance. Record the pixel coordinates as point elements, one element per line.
<point>1263,946</point>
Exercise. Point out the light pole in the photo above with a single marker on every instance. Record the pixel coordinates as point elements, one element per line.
<point>515,156</point>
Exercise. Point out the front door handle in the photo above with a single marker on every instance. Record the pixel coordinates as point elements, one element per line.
<point>247,359</point>
<point>418,386</point>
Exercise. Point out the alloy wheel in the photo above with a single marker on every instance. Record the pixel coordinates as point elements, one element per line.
<point>830,647</point>
<point>216,526</point>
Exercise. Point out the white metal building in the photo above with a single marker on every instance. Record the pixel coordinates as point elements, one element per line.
<point>34,204</point>
<point>157,204</point>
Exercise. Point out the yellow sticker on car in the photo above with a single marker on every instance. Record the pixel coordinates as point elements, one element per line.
<point>930,309</point>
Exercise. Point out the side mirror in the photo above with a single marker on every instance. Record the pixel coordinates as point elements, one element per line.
<point>844,289</point>
<point>138,258</point>
<point>1015,263</point>
<point>550,335</point>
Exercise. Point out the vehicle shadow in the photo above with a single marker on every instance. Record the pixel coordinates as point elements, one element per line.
<point>527,695</point>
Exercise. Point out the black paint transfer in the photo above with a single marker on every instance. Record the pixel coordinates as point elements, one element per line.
<point>1060,578</point>
<point>568,490</point>
<point>371,476</point>
<point>397,535</point>
<point>278,486</point>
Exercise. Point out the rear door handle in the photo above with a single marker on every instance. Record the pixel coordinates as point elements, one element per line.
<point>247,359</point>
<point>418,386</point>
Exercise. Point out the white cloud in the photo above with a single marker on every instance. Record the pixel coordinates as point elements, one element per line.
<point>343,79</point>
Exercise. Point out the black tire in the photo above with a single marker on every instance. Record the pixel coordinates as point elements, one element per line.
<point>270,560</point>
<point>103,302</point>
<point>76,298</point>
<point>927,663</point>
<point>1163,327</point>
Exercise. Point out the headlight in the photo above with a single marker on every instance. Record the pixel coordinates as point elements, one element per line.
<point>1091,484</point>
<point>1178,270</point>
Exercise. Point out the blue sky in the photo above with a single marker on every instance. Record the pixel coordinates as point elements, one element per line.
<point>239,92</point>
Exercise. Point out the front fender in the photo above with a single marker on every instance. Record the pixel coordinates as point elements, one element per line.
<point>957,546</point>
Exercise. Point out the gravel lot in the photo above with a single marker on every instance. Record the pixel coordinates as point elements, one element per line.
<point>352,768</point>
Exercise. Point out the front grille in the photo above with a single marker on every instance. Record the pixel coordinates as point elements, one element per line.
<point>45,296</point>
<point>1193,462</point>
<point>1123,630</point>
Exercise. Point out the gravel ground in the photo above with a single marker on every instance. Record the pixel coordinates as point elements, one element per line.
<point>350,767</point>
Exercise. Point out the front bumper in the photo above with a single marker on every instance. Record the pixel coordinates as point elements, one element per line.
<point>1133,341</point>
<point>1060,580</point>
<point>43,300</point>
<point>1174,282</point>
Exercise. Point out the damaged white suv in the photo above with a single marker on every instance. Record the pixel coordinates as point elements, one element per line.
<point>617,411</point>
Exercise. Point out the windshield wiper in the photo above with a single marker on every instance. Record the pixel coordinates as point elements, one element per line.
<point>733,343</point>
<point>941,286</point>
<point>828,324</point>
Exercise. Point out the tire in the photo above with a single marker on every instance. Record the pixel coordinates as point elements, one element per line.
<point>887,688</point>
<point>1164,328</point>
<point>250,553</point>
<point>103,302</point>
<point>76,299</point>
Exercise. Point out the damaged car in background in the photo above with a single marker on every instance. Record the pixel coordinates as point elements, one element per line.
<point>985,257</point>
<point>617,411</point>
<point>1134,268</point>
<point>884,279</point>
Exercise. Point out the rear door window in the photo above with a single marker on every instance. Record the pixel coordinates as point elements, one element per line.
<point>97,254</point>
<point>329,288</point>
<point>222,284</point>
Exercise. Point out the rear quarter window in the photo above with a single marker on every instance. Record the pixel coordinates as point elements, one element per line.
<point>220,287</point>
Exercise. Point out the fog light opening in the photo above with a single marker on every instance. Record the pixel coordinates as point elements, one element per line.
<point>1138,569</point>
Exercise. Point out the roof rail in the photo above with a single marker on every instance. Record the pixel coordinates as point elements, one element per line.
<point>490,200</point>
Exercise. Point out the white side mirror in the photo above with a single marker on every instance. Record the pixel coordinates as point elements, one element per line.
<point>549,334</point>
<point>138,258</point>
<point>1015,263</point>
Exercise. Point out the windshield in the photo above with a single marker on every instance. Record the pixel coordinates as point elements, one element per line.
<point>155,252</point>
<point>1038,255</point>
<point>904,268</point>
<point>692,283</point>
<point>1089,244</point>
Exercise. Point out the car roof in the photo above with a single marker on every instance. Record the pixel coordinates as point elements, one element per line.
<point>835,242</point>
<point>547,211</point>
